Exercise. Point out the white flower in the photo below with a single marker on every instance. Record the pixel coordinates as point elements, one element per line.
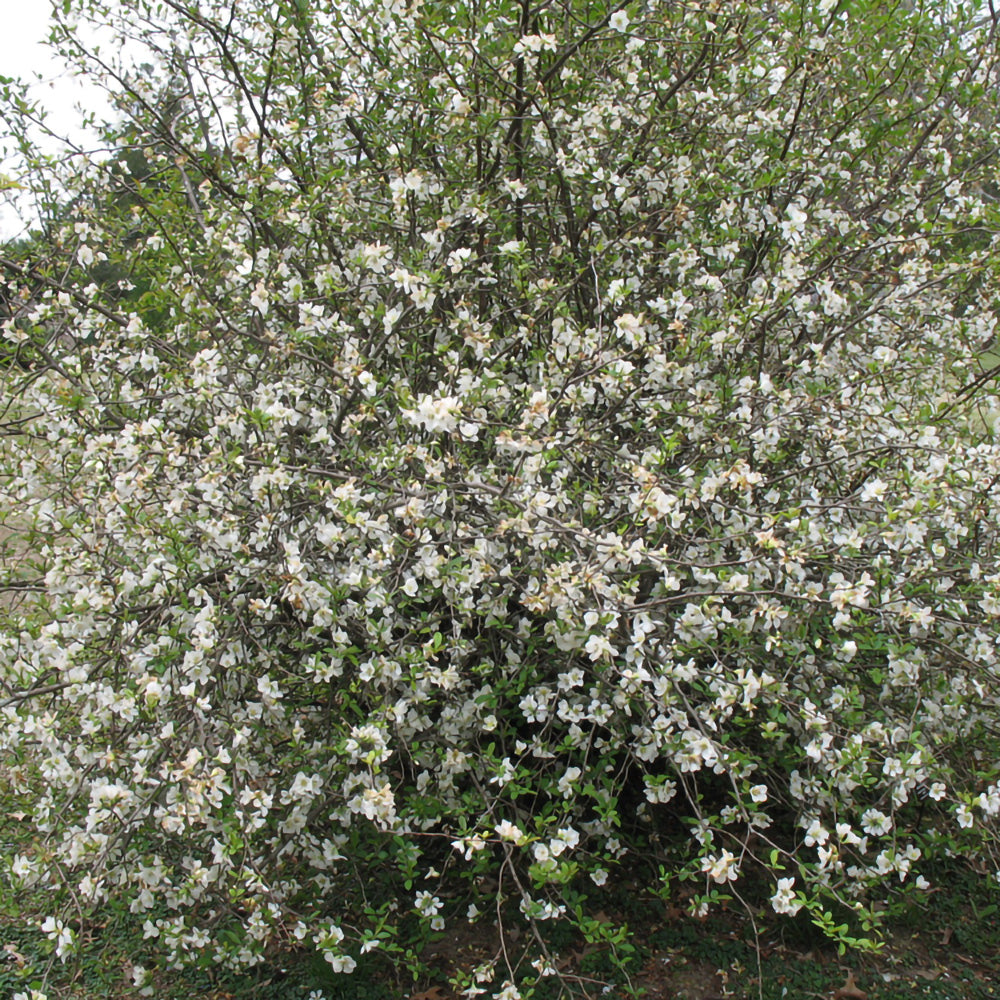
<point>12,333</point>
<point>783,901</point>
<point>329,937</point>
<point>508,831</point>
<point>435,414</point>
<point>565,837</point>
<point>516,189</point>
<point>63,936</point>
<point>469,845</point>
<point>21,867</point>
<point>567,782</point>
<point>153,692</point>
<point>341,963</point>
<point>885,862</point>
<point>544,967</point>
<point>142,979</point>
<point>504,774</point>
<point>795,223</point>
<point>816,833</point>
<point>535,43</point>
<point>777,78</point>
<point>375,256</point>
<point>875,823</point>
<point>391,318</point>
<point>457,259</point>
<point>259,298</point>
<point>598,647</point>
<point>663,791</point>
<point>873,490</point>
<point>426,904</point>
<point>619,21</point>
<point>376,803</point>
<point>721,869</point>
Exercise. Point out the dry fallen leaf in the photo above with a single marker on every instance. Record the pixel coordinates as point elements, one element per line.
<point>434,993</point>
<point>850,991</point>
<point>15,954</point>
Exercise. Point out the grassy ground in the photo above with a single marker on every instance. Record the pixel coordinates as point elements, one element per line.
<point>950,950</point>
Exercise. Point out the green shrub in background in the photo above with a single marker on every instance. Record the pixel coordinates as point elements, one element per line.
<point>472,443</point>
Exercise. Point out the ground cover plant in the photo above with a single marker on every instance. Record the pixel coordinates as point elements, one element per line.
<point>459,450</point>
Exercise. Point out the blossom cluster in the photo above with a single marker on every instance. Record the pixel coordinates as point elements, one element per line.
<point>524,442</point>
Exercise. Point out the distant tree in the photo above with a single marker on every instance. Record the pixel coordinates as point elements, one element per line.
<point>548,438</point>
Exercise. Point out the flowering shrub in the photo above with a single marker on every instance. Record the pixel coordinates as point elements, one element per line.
<point>460,441</point>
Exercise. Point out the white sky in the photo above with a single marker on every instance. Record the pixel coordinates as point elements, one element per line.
<point>22,54</point>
